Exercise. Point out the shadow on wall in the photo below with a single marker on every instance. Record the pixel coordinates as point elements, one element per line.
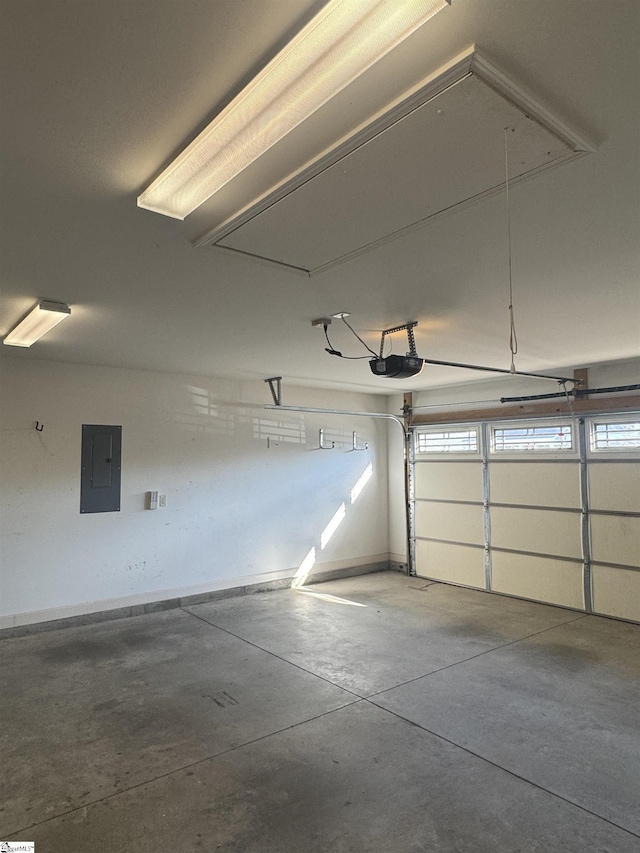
<point>204,414</point>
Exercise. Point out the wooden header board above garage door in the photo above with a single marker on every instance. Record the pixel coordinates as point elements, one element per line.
<point>440,146</point>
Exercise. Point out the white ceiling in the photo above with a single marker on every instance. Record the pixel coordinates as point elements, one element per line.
<point>442,154</point>
<point>98,95</point>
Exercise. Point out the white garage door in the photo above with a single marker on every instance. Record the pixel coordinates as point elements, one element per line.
<point>547,510</point>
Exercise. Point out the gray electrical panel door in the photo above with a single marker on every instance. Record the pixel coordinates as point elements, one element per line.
<point>101,468</point>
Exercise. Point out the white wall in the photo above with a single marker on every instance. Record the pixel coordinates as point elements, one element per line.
<point>238,512</point>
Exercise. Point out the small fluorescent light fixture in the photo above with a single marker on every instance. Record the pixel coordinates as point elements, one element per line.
<point>343,40</point>
<point>40,320</point>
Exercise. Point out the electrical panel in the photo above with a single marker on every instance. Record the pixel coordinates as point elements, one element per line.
<point>101,468</point>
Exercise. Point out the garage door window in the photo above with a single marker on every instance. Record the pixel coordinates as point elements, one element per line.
<point>456,440</point>
<point>536,438</point>
<point>615,436</point>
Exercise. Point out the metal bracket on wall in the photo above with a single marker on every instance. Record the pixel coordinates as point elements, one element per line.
<point>322,445</point>
<point>276,391</point>
<point>365,446</point>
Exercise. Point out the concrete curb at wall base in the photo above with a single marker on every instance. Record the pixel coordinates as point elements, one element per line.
<point>190,600</point>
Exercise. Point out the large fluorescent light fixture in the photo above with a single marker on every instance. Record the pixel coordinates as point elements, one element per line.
<point>345,39</point>
<point>40,320</point>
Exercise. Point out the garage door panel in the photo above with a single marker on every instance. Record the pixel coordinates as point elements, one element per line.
<point>535,483</point>
<point>615,539</point>
<point>450,563</point>
<point>540,578</point>
<point>561,526</point>
<point>454,522</point>
<point>615,486</point>
<point>540,531</point>
<point>460,481</point>
<point>616,592</point>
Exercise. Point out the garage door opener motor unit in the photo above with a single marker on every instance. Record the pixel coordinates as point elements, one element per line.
<point>398,366</point>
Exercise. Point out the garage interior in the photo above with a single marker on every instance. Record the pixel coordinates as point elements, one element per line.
<point>255,593</point>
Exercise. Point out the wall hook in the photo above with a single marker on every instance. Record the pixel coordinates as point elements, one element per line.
<point>365,446</point>
<point>39,426</point>
<point>322,445</point>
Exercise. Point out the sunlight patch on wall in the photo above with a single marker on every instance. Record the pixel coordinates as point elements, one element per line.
<point>361,482</point>
<point>303,570</point>
<point>334,524</point>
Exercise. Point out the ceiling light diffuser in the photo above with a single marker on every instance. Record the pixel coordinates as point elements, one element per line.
<point>40,320</point>
<point>345,39</point>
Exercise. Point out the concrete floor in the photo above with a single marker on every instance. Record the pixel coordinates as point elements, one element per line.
<point>380,714</point>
